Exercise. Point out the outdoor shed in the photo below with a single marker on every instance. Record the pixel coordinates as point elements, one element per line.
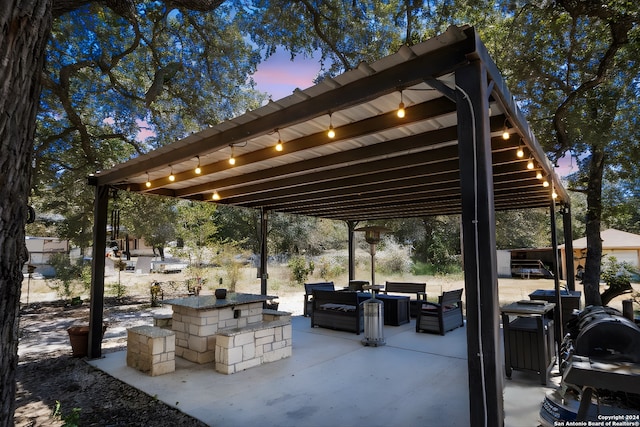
<point>461,147</point>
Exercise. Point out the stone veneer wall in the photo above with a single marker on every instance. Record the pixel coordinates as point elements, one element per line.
<point>196,329</point>
<point>238,349</point>
<point>151,350</point>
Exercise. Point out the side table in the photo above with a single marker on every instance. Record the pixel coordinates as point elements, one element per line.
<point>396,309</point>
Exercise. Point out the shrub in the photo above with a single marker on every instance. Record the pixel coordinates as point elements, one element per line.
<point>300,269</point>
<point>617,276</point>
<point>118,289</point>
<point>66,275</point>
<point>330,267</point>
<point>393,258</point>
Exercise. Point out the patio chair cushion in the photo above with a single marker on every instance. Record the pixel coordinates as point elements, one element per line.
<point>339,307</point>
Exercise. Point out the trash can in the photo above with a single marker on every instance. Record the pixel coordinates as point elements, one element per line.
<point>373,322</point>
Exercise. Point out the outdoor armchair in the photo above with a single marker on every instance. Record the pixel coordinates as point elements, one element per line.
<point>442,316</point>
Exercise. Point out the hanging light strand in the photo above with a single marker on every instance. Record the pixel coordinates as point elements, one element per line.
<point>331,133</point>
<point>172,177</point>
<point>198,169</point>
<point>505,133</point>
<point>530,164</point>
<point>279,145</point>
<point>401,111</point>
<point>232,158</point>
<point>148,183</point>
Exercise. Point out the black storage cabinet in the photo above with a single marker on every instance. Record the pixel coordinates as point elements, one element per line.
<point>528,338</point>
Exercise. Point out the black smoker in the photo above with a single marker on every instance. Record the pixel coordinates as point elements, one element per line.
<point>596,338</point>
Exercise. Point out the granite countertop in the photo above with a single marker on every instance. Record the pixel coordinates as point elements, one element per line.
<point>206,302</point>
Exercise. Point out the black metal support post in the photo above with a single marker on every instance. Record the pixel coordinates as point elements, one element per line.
<point>100,205</point>
<point>264,276</point>
<point>486,403</point>
<point>557,314</point>
<point>351,225</point>
<point>570,274</point>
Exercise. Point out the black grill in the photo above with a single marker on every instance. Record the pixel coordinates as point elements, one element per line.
<point>602,333</point>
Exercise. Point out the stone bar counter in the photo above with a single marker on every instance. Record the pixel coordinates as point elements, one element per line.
<point>196,320</point>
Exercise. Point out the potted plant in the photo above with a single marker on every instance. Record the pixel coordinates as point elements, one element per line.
<point>79,338</point>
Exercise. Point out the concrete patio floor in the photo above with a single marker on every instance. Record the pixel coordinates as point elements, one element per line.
<point>333,380</point>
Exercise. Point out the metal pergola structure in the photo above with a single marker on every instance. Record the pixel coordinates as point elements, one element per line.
<point>447,155</point>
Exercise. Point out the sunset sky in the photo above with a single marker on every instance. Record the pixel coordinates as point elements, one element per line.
<point>279,76</point>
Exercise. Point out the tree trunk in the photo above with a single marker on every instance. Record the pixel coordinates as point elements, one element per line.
<point>594,214</point>
<point>25,29</point>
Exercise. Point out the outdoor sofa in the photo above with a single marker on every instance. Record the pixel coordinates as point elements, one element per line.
<point>337,310</point>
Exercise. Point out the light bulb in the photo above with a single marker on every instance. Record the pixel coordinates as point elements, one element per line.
<point>506,135</point>
<point>539,175</point>
<point>545,183</point>
<point>215,196</point>
<point>331,133</point>
<point>401,111</point>
<point>171,175</point>
<point>198,170</point>
<point>554,195</point>
<point>520,152</point>
<point>530,164</point>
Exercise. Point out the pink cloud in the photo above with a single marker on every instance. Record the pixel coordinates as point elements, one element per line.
<point>279,76</point>
<point>145,131</point>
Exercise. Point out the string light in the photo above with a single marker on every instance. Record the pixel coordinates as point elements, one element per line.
<point>198,170</point>
<point>331,133</point>
<point>554,195</point>
<point>279,144</point>
<point>148,183</point>
<point>545,183</point>
<point>215,195</point>
<point>530,164</point>
<point>401,111</point>
<point>505,133</point>
<point>232,159</point>
<point>539,175</point>
<point>172,177</point>
<point>520,152</point>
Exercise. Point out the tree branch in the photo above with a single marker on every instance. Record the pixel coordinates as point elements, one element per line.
<point>316,26</point>
<point>619,27</point>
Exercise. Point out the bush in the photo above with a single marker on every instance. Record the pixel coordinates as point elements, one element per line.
<point>617,276</point>
<point>393,258</point>
<point>66,273</point>
<point>330,267</point>
<point>300,270</point>
<point>118,290</point>
<point>429,269</point>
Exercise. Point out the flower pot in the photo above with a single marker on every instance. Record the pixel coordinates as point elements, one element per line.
<point>221,293</point>
<point>79,338</point>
